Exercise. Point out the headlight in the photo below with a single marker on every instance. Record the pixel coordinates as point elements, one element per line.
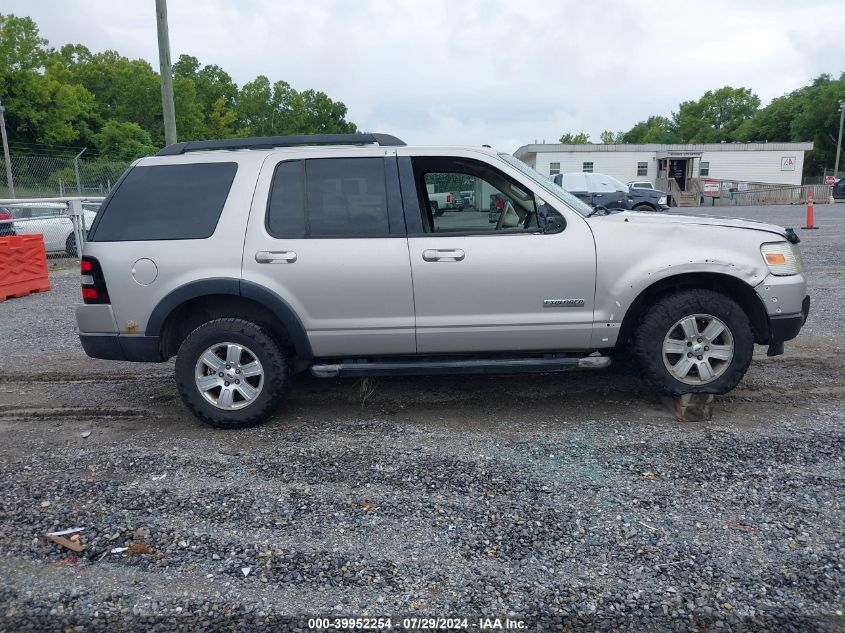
<point>781,258</point>
<point>661,200</point>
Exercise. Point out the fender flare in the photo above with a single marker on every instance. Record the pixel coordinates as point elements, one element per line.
<point>236,287</point>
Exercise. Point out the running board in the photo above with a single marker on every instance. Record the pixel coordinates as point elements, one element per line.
<point>484,366</point>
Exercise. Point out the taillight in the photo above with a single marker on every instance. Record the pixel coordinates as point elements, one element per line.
<point>93,282</point>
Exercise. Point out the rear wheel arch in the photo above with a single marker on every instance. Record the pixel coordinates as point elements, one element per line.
<point>727,285</point>
<point>187,307</point>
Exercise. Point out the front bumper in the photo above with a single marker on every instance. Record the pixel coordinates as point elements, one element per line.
<point>785,327</point>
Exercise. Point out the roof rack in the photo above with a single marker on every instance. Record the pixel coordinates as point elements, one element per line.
<point>269,142</point>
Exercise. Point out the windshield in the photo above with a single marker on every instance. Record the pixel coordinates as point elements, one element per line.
<point>560,193</point>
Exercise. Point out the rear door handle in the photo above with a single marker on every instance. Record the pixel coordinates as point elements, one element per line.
<point>443,255</point>
<point>275,257</point>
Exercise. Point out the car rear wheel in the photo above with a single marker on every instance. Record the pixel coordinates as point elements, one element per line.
<point>231,373</point>
<point>694,341</point>
<point>70,246</point>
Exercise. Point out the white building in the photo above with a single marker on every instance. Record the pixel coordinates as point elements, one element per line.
<point>690,169</point>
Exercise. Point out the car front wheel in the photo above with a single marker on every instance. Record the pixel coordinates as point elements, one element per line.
<point>231,373</point>
<point>694,341</point>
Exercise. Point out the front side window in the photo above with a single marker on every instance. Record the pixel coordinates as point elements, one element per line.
<point>166,202</point>
<point>704,169</point>
<point>328,197</point>
<point>554,168</point>
<point>642,169</point>
<point>587,167</point>
<point>549,185</point>
<point>461,195</point>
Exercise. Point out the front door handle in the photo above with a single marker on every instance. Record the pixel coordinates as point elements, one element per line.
<point>443,255</point>
<point>275,257</point>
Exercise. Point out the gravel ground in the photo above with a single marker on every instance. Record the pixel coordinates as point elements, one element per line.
<point>568,502</point>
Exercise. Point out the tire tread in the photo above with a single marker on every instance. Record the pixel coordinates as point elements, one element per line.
<point>276,376</point>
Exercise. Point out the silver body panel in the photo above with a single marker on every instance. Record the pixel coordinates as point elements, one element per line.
<point>381,296</point>
<point>179,262</point>
<point>354,296</point>
<point>636,250</point>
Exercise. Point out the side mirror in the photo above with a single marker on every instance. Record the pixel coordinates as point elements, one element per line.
<point>549,220</point>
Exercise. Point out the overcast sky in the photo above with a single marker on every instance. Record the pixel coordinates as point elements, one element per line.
<point>503,72</point>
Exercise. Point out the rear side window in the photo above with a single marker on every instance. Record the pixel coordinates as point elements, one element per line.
<point>166,202</point>
<point>329,197</point>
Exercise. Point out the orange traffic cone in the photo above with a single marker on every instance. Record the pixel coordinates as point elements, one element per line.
<point>810,214</point>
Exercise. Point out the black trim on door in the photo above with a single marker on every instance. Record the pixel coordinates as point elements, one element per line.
<point>395,214</point>
<point>410,199</point>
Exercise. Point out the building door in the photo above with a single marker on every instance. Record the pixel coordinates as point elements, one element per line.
<point>678,171</point>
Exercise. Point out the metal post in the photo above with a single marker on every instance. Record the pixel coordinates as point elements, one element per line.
<point>76,170</point>
<point>9,181</point>
<point>77,217</point>
<point>839,142</point>
<point>167,107</point>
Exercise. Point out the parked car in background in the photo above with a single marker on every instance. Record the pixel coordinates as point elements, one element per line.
<point>606,191</point>
<point>640,184</point>
<point>839,189</point>
<point>647,199</point>
<point>441,202</point>
<point>52,221</point>
<point>595,189</point>
<point>6,227</point>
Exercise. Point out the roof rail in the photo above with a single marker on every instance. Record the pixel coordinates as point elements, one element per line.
<point>268,142</point>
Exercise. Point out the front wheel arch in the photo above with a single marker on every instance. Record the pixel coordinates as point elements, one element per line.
<point>734,288</point>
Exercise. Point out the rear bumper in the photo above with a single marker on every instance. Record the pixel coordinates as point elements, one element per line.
<point>142,349</point>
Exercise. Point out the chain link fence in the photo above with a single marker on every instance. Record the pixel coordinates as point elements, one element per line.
<point>62,222</point>
<point>51,176</point>
<point>55,196</point>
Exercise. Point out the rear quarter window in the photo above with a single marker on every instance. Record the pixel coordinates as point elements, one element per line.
<point>166,202</point>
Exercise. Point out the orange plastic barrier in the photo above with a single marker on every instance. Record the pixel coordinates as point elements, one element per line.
<point>23,266</point>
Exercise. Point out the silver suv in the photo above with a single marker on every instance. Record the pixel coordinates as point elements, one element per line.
<point>253,259</point>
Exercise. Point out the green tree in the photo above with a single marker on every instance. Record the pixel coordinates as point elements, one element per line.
<point>124,89</point>
<point>655,129</point>
<point>21,47</point>
<point>716,116</point>
<point>609,137</point>
<point>123,141</point>
<point>809,113</point>
<point>574,139</point>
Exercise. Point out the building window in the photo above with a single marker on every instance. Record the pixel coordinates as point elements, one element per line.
<point>642,169</point>
<point>587,168</point>
<point>554,168</point>
<point>704,169</point>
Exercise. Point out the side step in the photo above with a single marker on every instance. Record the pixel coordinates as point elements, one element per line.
<point>463,366</point>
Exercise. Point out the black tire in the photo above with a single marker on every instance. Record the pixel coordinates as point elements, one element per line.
<point>644,207</point>
<point>265,349</point>
<point>656,323</point>
<point>70,246</point>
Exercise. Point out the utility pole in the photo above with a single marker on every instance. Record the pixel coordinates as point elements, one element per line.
<point>9,181</point>
<point>838,143</point>
<point>167,107</point>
